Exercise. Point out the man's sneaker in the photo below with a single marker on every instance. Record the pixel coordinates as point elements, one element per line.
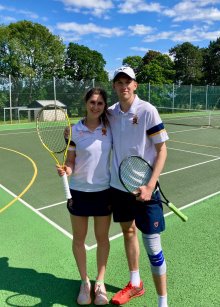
<point>100,294</point>
<point>84,297</point>
<point>126,294</point>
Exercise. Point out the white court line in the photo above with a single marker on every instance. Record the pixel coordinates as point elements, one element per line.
<point>187,130</point>
<point>111,238</point>
<point>165,215</point>
<point>54,205</point>
<point>17,133</point>
<point>190,166</point>
<point>193,152</point>
<point>169,172</point>
<point>66,233</point>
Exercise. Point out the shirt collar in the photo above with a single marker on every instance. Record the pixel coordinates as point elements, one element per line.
<point>82,127</point>
<point>133,107</point>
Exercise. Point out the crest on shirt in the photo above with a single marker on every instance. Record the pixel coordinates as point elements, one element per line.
<point>104,131</point>
<point>135,120</point>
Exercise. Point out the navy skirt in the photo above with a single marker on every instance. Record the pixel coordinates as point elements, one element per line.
<point>90,203</point>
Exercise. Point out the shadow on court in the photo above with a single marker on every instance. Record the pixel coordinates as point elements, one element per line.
<point>32,288</point>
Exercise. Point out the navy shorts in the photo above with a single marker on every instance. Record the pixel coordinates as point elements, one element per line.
<point>148,216</point>
<point>90,203</point>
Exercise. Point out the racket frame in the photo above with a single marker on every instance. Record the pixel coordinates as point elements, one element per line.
<point>170,205</point>
<point>52,153</point>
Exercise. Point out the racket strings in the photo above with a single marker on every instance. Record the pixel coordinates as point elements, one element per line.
<point>51,130</point>
<point>134,173</point>
<point>53,138</point>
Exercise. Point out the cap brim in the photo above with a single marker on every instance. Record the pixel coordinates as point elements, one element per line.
<point>122,74</point>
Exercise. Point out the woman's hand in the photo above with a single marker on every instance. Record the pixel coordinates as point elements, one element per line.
<point>61,170</point>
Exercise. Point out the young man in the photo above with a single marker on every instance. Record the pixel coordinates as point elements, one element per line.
<point>138,130</point>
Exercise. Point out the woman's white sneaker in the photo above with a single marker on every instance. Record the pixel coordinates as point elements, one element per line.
<point>100,294</point>
<point>84,297</point>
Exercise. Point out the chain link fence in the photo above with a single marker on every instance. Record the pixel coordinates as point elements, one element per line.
<point>20,94</point>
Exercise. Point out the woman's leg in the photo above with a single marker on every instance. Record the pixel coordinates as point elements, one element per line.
<point>79,229</point>
<point>101,225</point>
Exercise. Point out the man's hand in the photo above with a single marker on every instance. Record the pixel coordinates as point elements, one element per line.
<point>145,193</point>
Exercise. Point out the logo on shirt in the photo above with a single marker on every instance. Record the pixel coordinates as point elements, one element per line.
<point>104,131</point>
<point>135,120</point>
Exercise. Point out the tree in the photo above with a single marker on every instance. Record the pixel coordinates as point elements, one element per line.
<point>134,62</point>
<point>150,56</point>
<point>29,50</point>
<point>157,68</point>
<point>212,63</point>
<point>84,64</point>
<point>188,62</point>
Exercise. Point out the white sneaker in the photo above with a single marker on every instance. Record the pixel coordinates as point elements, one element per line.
<point>100,294</point>
<point>84,297</point>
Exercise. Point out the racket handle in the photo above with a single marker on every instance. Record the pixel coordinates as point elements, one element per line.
<point>66,187</point>
<point>183,217</point>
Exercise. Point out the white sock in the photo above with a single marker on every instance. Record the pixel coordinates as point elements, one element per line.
<point>135,278</point>
<point>162,301</point>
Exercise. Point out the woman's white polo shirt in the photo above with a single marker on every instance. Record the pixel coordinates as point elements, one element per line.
<point>92,162</point>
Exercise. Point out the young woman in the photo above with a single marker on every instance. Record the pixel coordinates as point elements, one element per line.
<point>88,163</point>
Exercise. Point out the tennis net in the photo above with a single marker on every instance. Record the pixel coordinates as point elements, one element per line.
<point>190,117</point>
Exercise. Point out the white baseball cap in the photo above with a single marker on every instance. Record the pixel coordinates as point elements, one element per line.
<point>125,70</point>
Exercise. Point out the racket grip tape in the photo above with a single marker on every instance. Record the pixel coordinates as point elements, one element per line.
<point>183,217</point>
<point>66,187</point>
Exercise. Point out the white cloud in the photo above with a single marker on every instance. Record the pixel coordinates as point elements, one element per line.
<point>140,29</point>
<point>142,49</point>
<point>194,34</point>
<point>90,28</point>
<point>159,36</point>
<point>196,10</point>
<point>97,7</point>
<point>27,14</point>
<point>7,19</point>
<point>135,6</point>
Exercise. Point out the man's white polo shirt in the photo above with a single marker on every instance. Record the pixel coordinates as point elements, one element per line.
<point>92,162</point>
<point>134,133</point>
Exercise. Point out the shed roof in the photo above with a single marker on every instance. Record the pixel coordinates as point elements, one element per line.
<point>44,103</point>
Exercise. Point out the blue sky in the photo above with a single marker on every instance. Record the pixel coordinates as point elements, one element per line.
<point>118,29</point>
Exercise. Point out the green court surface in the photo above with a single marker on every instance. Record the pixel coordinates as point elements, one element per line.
<point>37,267</point>
<point>36,263</point>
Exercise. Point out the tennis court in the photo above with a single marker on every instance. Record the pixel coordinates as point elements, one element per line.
<point>35,253</point>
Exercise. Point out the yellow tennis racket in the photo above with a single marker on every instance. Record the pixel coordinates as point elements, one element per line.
<point>51,122</point>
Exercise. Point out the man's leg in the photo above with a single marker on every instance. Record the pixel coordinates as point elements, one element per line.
<point>152,244</point>
<point>135,286</point>
<point>131,244</point>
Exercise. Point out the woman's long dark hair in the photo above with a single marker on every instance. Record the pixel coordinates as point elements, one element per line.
<point>103,93</point>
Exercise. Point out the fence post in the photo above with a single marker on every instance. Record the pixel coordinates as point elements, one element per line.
<point>54,90</point>
<point>206,97</point>
<point>190,96</point>
<point>10,99</point>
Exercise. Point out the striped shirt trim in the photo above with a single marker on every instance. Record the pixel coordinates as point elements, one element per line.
<point>156,133</point>
<point>156,130</point>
